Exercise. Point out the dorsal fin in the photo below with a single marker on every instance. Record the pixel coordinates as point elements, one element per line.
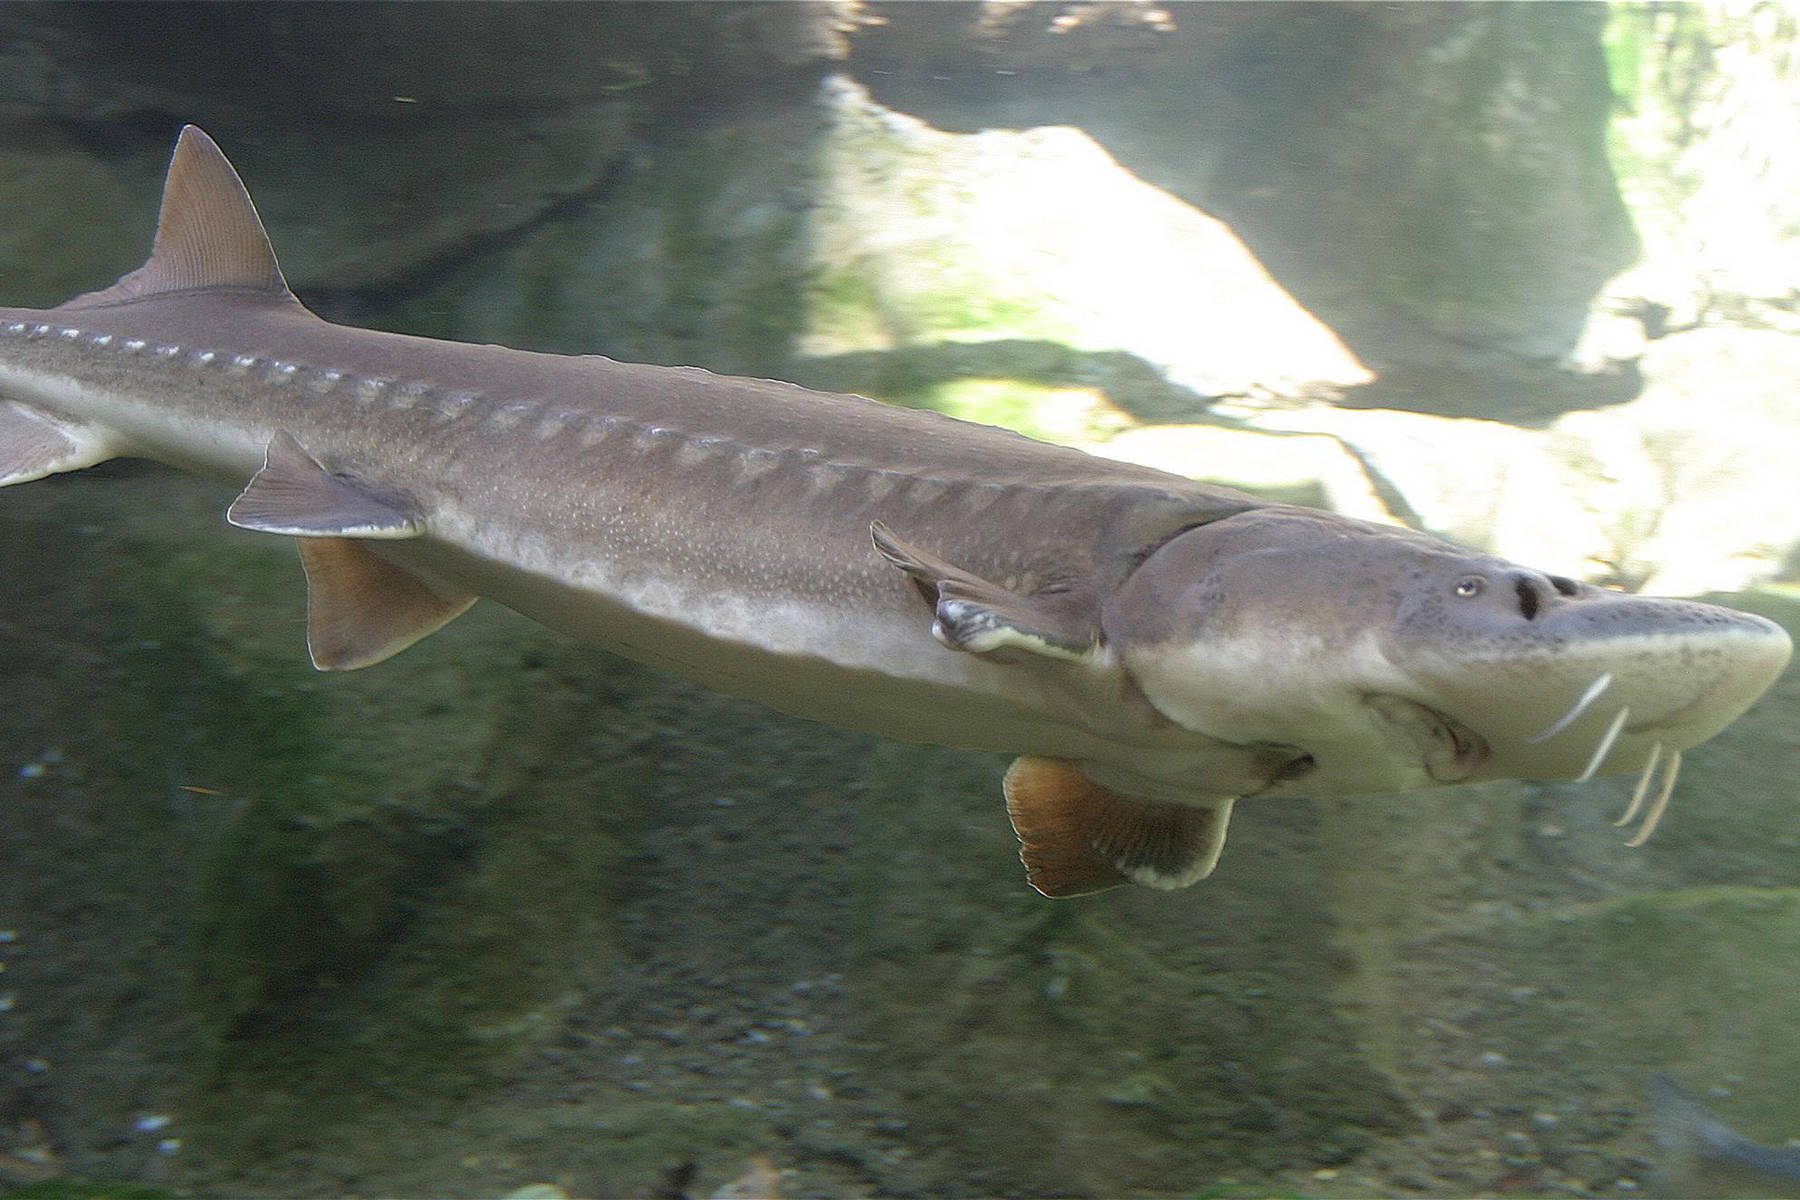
<point>208,235</point>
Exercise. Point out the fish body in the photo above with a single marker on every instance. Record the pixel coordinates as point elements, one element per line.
<point>1698,1155</point>
<point>1152,647</point>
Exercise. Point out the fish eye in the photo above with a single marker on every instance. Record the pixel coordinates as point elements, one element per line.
<point>1469,586</point>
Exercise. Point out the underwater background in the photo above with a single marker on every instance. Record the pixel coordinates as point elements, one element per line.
<point>507,911</point>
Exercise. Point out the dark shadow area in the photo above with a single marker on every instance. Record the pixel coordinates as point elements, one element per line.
<point>1128,382</point>
<point>1530,394</point>
<point>1495,386</point>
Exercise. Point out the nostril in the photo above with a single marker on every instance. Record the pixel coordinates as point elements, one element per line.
<point>1535,591</point>
<point>1530,592</point>
<point>1296,768</point>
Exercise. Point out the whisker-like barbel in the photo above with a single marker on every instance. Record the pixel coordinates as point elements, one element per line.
<point>1569,718</point>
<point>1643,787</point>
<point>1671,768</point>
<point>1607,741</point>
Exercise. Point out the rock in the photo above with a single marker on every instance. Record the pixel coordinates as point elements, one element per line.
<point>275,63</point>
<point>695,256</point>
<point>1298,468</point>
<point>372,158</point>
<point>1040,235</point>
<point>1484,484</point>
<point>1105,1047</point>
<point>772,243</point>
<point>1706,93</point>
<point>1429,181</point>
<point>1693,482</point>
<point>1687,489</point>
<point>1691,982</point>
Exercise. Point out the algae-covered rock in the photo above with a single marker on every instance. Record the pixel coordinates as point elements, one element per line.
<point>851,246</point>
<point>345,213</point>
<point>1591,1001</point>
<point>1107,1046</point>
<point>1430,181</point>
<point>479,58</point>
<point>696,255</point>
<point>925,236</point>
<point>381,140</point>
<point>268,855</point>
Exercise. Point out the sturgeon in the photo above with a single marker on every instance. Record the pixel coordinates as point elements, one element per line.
<point>1151,648</point>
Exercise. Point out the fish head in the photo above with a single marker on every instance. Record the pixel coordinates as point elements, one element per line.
<point>1387,660</point>
<point>1562,679</point>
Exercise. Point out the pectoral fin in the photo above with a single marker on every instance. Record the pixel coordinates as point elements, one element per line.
<point>978,616</point>
<point>293,495</point>
<point>1076,837</point>
<point>360,608</point>
<point>33,445</point>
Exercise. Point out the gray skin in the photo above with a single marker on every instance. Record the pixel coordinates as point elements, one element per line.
<point>1366,636</point>
<point>840,559</point>
<point>1699,1156</point>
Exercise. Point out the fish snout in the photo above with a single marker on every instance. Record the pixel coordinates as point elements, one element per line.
<point>1545,670</point>
<point>1719,673</point>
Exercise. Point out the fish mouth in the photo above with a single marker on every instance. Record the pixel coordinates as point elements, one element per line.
<point>1449,751</point>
